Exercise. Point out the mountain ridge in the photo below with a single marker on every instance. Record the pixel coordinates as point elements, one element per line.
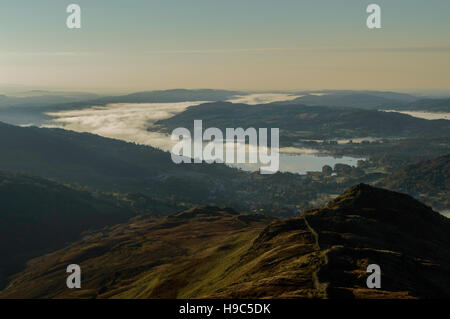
<point>213,252</point>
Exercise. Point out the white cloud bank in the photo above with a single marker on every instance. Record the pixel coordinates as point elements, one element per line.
<point>263,98</point>
<point>124,121</point>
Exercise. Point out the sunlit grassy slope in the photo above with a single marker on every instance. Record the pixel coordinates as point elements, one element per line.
<point>210,252</point>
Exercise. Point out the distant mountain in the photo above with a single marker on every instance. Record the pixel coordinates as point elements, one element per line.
<point>43,98</point>
<point>360,100</point>
<point>372,100</point>
<point>32,106</point>
<point>401,97</point>
<point>215,252</point>
<point>172,96</point>
<point>161,96</point>
<point>431,105</point>
<point>298,121</point>
<point>78,95</point>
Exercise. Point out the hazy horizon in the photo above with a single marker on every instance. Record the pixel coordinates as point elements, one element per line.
<point>18,90</point>
<point>238,45</point>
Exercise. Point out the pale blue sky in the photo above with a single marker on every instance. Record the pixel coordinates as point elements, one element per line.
<point>238,44</point>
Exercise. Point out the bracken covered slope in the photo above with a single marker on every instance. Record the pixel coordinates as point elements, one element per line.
<point>210,252</point>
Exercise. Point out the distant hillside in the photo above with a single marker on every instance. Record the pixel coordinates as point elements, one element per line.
<point>395,96</point>
<point>430,177</point>
<point>308,122</point>
<point>40,98</point>
<point>162,96</point>
<point>107,164</point>
<point>433,105</point>
<point>361,100</point>
<point>68,100</point>
<point>32,109</point>
<point>372,100</point>
<point>216,252</point>
<point>176,95</point>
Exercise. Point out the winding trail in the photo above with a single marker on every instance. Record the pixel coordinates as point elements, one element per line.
<point>322,255</point>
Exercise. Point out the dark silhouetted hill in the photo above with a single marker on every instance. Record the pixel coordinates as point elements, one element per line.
<point>38,215</point>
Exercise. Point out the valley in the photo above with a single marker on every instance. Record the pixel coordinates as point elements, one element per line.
<point>222,158</point>
<point>88,198</point>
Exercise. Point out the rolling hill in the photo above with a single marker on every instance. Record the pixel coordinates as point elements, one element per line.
<point>307,122</point>
<point>431,105</point>
<point>38,98</point>
<point>372,100</point>
<point>207,252</point>
<point>362,100</point>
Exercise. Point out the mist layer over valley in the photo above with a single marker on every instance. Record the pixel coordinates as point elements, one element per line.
<point>132,122</point>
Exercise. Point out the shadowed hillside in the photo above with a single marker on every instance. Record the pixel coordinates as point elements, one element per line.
<point>217,252</point>
<point>430,178</point>
<point>107,164</point>
<point>38,215</point>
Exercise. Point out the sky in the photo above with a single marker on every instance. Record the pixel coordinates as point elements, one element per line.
<point>131,45</point>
